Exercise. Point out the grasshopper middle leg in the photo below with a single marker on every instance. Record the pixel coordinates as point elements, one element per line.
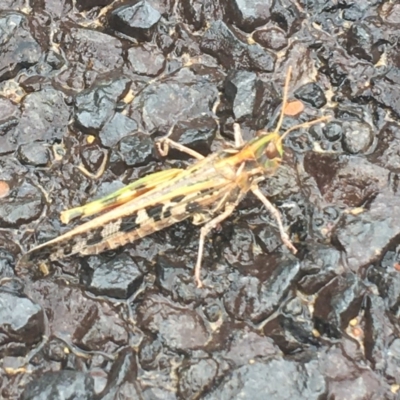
<point>164,144</point>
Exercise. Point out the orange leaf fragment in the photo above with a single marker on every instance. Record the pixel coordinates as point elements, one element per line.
<point>4,189</point>
<point>293,108</point>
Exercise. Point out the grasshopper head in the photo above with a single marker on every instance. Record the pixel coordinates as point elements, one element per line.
<point>268,151</point>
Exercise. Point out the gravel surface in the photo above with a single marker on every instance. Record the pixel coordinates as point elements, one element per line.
<point>88,81</point>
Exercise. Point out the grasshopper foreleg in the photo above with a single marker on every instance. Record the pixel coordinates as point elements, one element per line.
<point>277,216</point>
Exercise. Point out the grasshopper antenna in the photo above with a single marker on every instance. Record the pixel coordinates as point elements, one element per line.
<point>284,100</point>
<point>282,115</point>
<point>304,125</point>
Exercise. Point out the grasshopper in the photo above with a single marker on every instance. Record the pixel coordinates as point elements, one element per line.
<point>208,191</point>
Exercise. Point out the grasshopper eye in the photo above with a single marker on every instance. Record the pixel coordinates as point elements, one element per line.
<point>271,151</point>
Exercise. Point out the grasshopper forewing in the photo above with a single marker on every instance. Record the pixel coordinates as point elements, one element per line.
<point>207,191</point>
